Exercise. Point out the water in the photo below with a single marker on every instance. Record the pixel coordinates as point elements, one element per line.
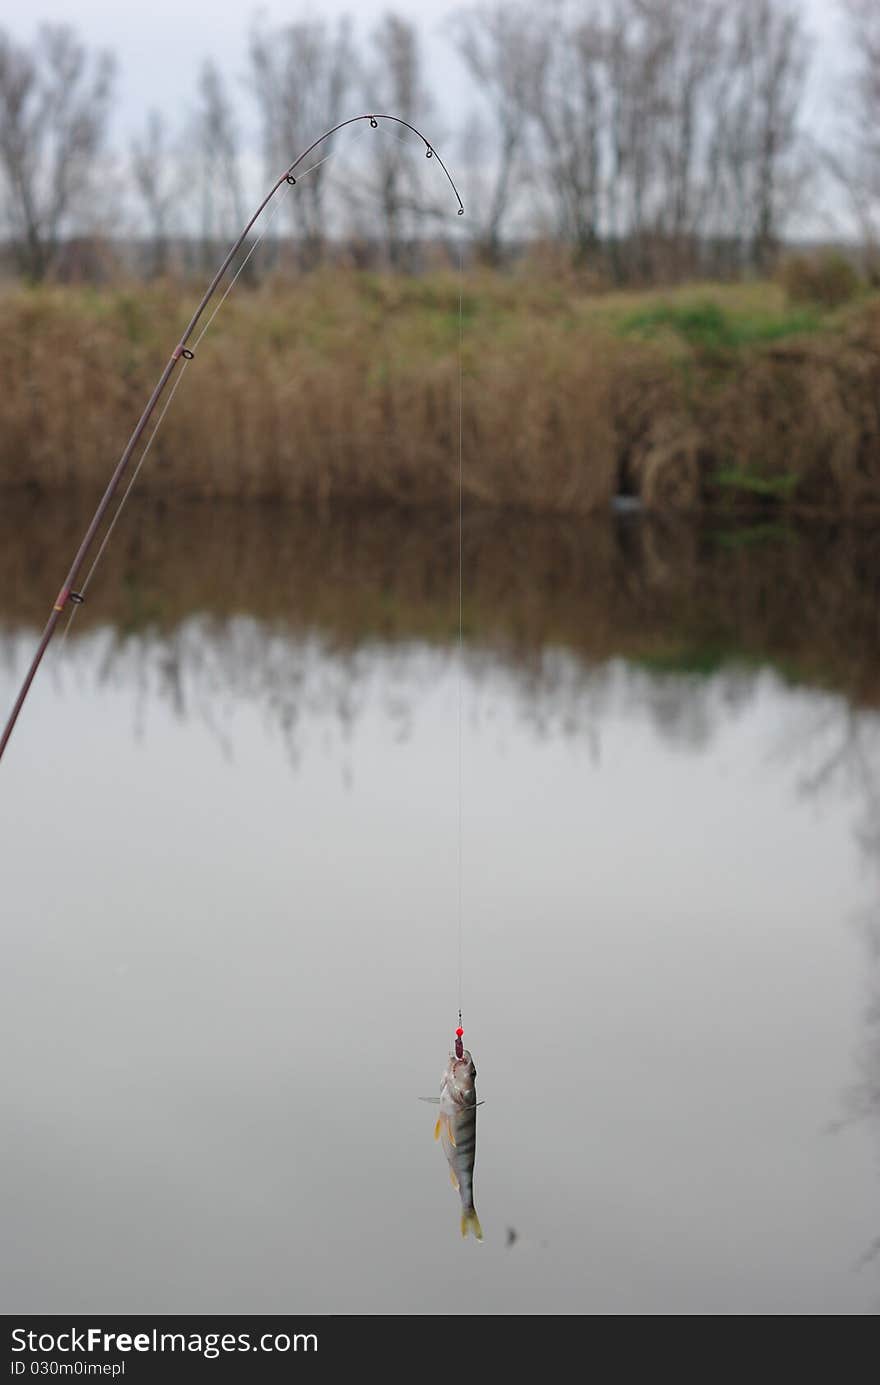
<point>228,836</point>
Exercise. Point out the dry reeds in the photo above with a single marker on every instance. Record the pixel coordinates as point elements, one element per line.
<point>343,387</point>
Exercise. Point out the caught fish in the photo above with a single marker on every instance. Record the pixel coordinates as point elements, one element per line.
<point>456,1128</point>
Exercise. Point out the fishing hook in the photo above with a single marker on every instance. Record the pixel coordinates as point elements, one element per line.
<point>67,592</point>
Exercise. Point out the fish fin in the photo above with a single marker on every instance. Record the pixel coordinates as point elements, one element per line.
<point>449,1132</point>
<point>470,1221</point>
<point>438,1127</point>
<point>453,1180</point>
<point>434,1100</point>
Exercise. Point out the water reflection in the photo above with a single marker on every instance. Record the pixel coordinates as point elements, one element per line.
<point>673,766</point>
<point>837,748</point>
<point>675,597</point>
<point>215,605</point>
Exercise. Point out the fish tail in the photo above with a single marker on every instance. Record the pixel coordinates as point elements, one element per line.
<point>470,1221</point>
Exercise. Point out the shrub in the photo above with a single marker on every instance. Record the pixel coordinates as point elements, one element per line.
<point>824,280</point>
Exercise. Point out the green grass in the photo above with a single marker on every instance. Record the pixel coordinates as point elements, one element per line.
<point>752,484</point>
<point>700,661</point>
<point>753,536</point>
<point>708,326</point>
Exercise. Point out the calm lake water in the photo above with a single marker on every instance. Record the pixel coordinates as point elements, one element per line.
<point>229,899</point>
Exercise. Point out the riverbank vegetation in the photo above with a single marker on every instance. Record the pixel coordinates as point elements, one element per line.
<point>344,387</point>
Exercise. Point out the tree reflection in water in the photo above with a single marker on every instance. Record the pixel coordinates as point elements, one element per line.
<point>837,750</point>
<point>298,615</point>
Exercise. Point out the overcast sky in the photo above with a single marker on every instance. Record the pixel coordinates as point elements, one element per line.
<point>161,45</point>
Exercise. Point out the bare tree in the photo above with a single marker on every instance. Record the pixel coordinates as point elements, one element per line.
<point>658,122</point>
<point>627,47</point>
<point>685,41</point>
<point>782,55</point>
<point>218,176</point>
<point>758,131</point>
<point>53,107</point>
<point>394,84</point>
<point>157,181</point>
<point>302,74</point>
<point>499,44</point>
<point>566,99</point>
<point>855,161</point>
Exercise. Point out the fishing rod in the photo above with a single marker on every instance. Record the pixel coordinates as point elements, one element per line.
<point>68,595</point>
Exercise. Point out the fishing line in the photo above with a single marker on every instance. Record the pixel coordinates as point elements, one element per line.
<point>270,218</point>
<point>112,525</point>
<point>68,594</point>
<point>460,659</point>
<point>234,280</point>
<point>285,193</point>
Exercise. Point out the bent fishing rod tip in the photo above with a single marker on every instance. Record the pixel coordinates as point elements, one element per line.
<point>187,353</point>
